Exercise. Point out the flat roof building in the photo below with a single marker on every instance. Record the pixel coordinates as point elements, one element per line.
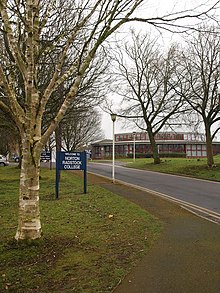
<point>179,144</point>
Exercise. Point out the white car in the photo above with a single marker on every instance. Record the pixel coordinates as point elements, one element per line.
<point>3,161</point>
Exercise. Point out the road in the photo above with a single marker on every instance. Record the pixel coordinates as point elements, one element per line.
<point>199,196</point>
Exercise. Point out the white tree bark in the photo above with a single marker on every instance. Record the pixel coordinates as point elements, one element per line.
<point>29,225</point>
<point>22,48</point>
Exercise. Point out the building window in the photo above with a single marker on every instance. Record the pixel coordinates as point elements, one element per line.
<point>165,148</point>
<point>143,136</point>
<point>193,147</point>
<point>138,136</point>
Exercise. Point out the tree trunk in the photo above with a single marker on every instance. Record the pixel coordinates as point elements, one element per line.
<point>58,137</point>
<point>29,225</point>
<point>209,150</point>
<point>155,152</point>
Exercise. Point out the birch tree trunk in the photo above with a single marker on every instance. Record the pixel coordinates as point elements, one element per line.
<point>26,45</point>
<point>33,34</point>
<point>29,226</point>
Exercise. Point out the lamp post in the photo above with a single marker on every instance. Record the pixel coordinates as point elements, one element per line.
<point>113,117</point>
<point>134,133</point>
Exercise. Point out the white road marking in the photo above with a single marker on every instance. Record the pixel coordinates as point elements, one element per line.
<point>185,204</point>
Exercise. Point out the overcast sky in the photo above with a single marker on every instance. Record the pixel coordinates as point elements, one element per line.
<point>152,8</point>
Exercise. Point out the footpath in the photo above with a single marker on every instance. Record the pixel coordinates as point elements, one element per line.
<point>185,259</point>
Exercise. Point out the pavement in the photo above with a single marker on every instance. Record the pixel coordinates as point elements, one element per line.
<point>185,259</point>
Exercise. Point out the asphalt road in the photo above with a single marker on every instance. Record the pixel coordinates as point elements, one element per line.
<point>201,193</point>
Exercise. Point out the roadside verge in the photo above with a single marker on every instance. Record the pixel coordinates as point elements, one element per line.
<point>187,256</point>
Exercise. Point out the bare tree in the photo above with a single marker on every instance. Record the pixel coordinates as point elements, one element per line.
<point>31,31</point>
<point>75,129</point>
<point>80,129</point>
<point>201,78</point>
<point>80,30</point>
<point>147,81</point>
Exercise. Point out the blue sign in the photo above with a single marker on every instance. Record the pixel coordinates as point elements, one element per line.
<point>70,161</point>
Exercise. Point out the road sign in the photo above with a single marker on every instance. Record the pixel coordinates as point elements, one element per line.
<point>45,156</point>
<point>70,161</point>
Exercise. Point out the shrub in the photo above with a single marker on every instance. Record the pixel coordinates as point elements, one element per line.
<point>162,155</point>
<point>140,155</point>
<point>172,155</point>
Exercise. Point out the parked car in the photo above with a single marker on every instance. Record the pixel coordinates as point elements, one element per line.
<point>16,159</point>
<point>3,161</point>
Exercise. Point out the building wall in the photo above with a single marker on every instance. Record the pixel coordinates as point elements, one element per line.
<point>143,136</point>
<point>193,145</point>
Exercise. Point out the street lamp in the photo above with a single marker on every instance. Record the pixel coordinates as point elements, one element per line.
<point>113,117</point>
<point>134,134</point>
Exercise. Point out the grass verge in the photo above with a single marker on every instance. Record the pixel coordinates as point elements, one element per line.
<point>89,242</point>
<point>190,167</point>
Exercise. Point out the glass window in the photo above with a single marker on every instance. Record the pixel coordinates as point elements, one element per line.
<point>181,148</point>
<point>165,147</point>
<point>188,152</point>
<point>143,136</point>
<point>199,147</point>
<point>171,148</point>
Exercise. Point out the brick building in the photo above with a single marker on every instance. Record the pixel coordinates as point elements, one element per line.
<point>184,144</point>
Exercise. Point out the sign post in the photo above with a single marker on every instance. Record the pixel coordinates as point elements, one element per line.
<point>70,161</point>
<point>85,171</point>
<point>57,174</point>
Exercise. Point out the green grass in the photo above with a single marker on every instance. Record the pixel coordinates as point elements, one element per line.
<point>82,248</point>
<point>190,167</point>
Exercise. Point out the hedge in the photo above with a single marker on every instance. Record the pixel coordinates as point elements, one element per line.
<point>161,155</point>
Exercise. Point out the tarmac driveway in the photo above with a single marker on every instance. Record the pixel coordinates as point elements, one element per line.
<point>186,258</point>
